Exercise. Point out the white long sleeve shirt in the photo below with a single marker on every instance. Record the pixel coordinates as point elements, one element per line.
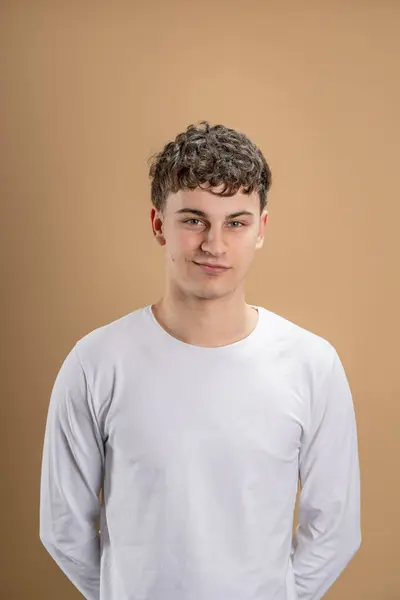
<point>199,452</point>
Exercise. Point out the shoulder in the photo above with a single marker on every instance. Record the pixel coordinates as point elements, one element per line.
<point>113,339</point>
<point>313,350</point>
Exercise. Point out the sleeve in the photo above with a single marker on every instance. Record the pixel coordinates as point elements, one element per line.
<point>71,479</point>
<point>328,532</point>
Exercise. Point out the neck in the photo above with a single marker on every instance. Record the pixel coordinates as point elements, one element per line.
<point>209,323</point>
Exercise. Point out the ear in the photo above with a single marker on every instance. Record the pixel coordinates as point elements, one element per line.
<point>261,231</point>
<point>157,225</point>
<point>260,243</point>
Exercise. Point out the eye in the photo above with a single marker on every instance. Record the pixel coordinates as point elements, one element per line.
<point>236,224</point>
<point>192,221</point>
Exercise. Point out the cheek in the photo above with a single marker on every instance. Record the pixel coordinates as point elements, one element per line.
<point>187,241</point>
<point>182,244</point>
<point>242,254</point>
<point>245,247</point>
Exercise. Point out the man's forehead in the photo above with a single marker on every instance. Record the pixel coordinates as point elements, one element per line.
<point>212,204</point>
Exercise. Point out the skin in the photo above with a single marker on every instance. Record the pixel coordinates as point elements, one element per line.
<point>199,306</point>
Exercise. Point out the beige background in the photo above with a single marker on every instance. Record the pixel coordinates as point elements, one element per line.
<point>89,91</point>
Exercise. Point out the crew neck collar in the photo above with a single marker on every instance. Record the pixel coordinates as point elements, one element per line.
<point>178,344</point>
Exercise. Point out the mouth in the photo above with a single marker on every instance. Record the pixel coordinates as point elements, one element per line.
<point>211,268</point>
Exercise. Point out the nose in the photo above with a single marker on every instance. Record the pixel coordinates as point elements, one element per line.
<point>213,242</point>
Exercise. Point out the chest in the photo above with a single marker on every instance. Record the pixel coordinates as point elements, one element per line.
<point>246,413</point>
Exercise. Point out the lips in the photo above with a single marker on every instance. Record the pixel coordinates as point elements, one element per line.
<point>211,268</point>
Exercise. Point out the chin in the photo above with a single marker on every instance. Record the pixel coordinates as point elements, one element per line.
<point>209,294</point>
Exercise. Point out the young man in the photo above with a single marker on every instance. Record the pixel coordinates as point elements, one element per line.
<point>198,416</point>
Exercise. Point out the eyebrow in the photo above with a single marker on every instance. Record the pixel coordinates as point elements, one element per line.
<point>200,213</point>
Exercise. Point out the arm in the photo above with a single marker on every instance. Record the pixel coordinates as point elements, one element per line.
<point>329,533</point>
<point>71,478</point>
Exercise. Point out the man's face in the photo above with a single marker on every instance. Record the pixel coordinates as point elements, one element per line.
<point>200,230</point>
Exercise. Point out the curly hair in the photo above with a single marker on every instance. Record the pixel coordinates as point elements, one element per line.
<point>208,157</point>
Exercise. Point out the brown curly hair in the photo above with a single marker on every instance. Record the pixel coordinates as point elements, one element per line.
<point>208,156</point>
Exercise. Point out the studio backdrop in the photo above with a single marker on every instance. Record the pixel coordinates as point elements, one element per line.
<point>89,90</point>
